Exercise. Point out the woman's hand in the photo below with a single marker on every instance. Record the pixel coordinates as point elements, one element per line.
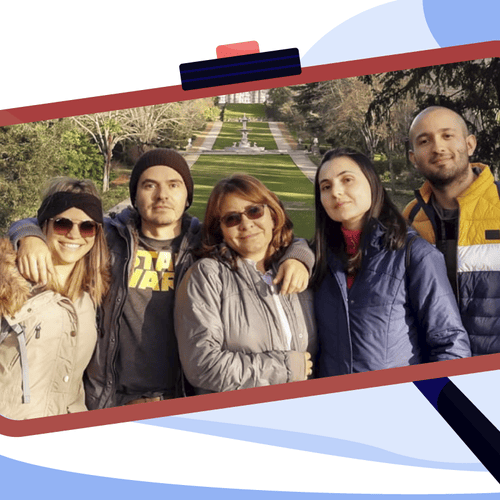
<point>293,276</point>
<point>309,364</point>
<point>301,365</point>
<point>34,260</point>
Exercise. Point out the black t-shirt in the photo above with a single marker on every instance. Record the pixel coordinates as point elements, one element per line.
<point>447,239</point>
<point>147,363</point>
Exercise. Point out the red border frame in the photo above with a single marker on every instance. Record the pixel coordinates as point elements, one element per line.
<point>293,390</point>
<point>262,394</point>
<point>309,74</point>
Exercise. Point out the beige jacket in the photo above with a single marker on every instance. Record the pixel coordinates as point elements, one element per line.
<point>60,339</point>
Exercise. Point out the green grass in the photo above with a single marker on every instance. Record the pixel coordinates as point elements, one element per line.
<point>236,111</point>
<point>258,132</point>
<point>277,172</point>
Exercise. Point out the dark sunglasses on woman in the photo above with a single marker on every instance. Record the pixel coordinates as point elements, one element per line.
<point>63,226</point>
<point>234,218</point>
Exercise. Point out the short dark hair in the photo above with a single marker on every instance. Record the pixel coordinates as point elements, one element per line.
<point>328,234</point>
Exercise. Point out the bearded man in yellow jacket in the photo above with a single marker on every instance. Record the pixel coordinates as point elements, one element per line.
<point>458,210</point>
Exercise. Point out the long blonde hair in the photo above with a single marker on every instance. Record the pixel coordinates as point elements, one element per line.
<point>91,273</point>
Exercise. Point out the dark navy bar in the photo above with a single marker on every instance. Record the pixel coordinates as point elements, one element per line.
<point>230,75</point>
<point>232,65</point>
<point>239,69</point>
<point>475,430</point>
<point>432,388</point>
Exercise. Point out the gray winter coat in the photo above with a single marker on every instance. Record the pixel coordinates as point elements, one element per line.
<point>229,332</point>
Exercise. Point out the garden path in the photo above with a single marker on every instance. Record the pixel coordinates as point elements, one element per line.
<point>207,141</point>
<point>299,157</point>
<point>207,144</point>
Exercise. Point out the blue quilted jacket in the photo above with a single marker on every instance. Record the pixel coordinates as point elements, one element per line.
<point>392,315</point>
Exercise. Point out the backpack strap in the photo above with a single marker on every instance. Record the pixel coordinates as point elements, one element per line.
<point>18,329</point>
<point>413,212</point>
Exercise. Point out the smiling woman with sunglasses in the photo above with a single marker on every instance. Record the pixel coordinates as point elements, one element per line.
<point>234,329</point>
<point>58,320</point>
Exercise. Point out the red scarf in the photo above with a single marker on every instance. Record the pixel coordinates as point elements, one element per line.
<point>352,240</point>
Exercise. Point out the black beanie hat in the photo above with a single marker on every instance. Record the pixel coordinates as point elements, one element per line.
<point>168,158</point>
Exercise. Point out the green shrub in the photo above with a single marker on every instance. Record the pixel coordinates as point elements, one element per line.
<point>212,114</point>
<point>398,165</point>
<point>81,158</point>
<point>33,153</point>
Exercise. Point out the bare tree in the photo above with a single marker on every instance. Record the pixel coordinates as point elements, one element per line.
<point>171,123</point>
<point>335,111</point>
<point>107,129</point>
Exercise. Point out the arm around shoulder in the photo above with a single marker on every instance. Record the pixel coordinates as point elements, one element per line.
<point>24,228</point>
<point>300,250</point>
<point>33,256</point>
<point>295,267</point>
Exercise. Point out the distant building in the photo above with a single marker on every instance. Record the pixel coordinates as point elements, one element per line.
<point>253,97</point>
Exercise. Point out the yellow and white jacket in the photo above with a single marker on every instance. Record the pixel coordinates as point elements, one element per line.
<point>478,255</point>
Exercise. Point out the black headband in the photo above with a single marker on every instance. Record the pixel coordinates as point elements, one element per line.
<point>63,200</point>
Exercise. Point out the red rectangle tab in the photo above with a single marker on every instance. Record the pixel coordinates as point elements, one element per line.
<point>237,49</point>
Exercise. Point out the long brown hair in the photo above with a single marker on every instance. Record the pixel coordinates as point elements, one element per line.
<point>91,273</point>
<point>328,234</point>
<point>251,189</point>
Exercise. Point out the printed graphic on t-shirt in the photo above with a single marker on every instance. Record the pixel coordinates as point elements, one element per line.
<point>153,271</point>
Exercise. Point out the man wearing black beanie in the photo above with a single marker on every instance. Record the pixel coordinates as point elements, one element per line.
<point>136,358</point>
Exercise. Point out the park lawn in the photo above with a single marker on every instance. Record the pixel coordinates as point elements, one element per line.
<point>258,132</point>
<point>277,172</point>
<point>236,111</point>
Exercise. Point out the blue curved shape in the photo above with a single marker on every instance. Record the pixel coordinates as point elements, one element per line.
<point>459,22</point>
<point>304,442</point>
<point>22,481</point>
<point>393,28</point>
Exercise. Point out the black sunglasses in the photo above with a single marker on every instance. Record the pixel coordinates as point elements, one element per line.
<point>63,226</point>
<point>234,218</point>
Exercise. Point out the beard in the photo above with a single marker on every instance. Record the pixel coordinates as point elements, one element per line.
<point>441,178</point>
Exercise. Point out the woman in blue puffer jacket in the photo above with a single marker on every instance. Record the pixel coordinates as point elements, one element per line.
<point>375,308</point>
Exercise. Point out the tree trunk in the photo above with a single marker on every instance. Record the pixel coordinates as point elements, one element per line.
<point>107,166</point>
<point>388,153</point>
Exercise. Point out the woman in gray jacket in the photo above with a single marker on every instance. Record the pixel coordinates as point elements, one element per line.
<point>234,329</point>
